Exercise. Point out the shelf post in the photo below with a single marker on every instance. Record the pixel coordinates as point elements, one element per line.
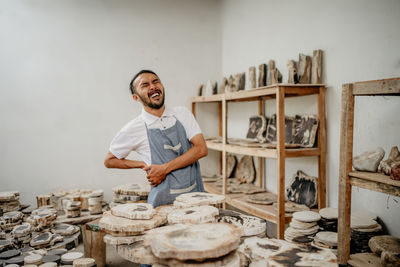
<point>261,160</point>
<point>220,133</point>
<point>322,149</point>
<point>345,165</point>
<point>224,137</point>
<point>280,146</point>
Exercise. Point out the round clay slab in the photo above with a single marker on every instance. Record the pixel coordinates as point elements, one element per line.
<point>329,213</point>
<point>378,244</point>
<point>329,238</point>
<point>200,198</point>
<point>134,211</point>
<point>199,214</point>
<point>306,216</point>
<point>48,264</point>
<point>132,189</point>
<point>71,256</point>
<point>197,242</point>
<point>249,224</point>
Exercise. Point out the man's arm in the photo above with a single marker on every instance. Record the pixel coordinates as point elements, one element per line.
<point>112,162</point>
<point>198,150</point>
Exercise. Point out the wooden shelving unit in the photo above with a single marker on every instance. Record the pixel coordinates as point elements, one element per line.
<point>278,92</point>
<point>347,178</point>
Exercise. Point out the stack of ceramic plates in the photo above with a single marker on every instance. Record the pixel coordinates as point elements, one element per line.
<point>326,240</point>
<point>303,227</point>
<point>363,226</point>
<point>329,218</point>
<point>9,201</point>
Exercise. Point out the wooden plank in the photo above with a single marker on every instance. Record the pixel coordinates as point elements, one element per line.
<point>375,177</point>
<point>194,109</point>
<point>346,155</point>
<point>210,98</point>
<point>280,132</point>
<point>251,93</point>
<point>374,186</point>
<point>302,152</point>
<point>251,151</point>
<point>322,149</point>
<point>224,156</point>
<point>378,87</point>
<point>301,91</point>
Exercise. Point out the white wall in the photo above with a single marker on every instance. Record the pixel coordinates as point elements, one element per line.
<point>360,40</point>
<point>65,72</point>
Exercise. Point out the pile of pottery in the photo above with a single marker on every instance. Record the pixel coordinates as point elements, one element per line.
<point>130,193</point>
<point>363,226</point>
<point>95,202</point>
<point>256,251</point>
<point>9,201</point>
<point>72,208</point>
<point>326,239</point>
<point>10,219</point>
<point>250,225</point>
<point>387,248</point>
<point>199,199</point>
<point>329,219</point>
<point>22,234</point>
<point>372,161</point>
<point>206,244</point>
<point>303,227</point>
<point>126,223</point>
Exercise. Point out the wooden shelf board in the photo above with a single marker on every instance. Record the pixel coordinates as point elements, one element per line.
<point>267,92</point>
<point>375,182</point>
<point>377,87</point>
<point>375,177</point>
<point>266,212</point>
<point>263,152</point>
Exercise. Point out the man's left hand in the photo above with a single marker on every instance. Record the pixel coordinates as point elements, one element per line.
<point>156,173</point>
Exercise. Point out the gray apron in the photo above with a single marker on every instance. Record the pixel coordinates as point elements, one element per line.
<point>166,145</point>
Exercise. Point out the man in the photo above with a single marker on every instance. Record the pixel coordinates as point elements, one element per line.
<point>168,140</point>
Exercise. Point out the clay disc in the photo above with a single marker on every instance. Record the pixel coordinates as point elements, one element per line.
<point>364,259</point>
<point>134,211</point>
<point>197,242</point>
<point>303,256</point>
<point>306,216</point>
<point>71,256</point>
<point>198,214</point>
<point>329,213</point>
<point>291,207</point>
<point>84,262</point>
<point>328,238</point>
<point>262,198</point>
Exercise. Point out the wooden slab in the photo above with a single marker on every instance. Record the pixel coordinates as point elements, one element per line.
<point>122,240</point>
<point>197,242</point>
<point>364,259</point>
<point>250,225</point>
<point>132,189</point>
<point>307,216</point>
<point>262,198</point>
<point>199,214</point>
<point>133,211</point>
<point>303,189</point>
<point>245,170</point>
<point>303,256</point>
<point>378,244</point>
<point>198,199</point>
<point>9,196</point>
<point>41,239</point>
<point>291,207</point>
<point>122,226</point>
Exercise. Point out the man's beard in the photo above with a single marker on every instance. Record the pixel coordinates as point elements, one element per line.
<point>152,105</point>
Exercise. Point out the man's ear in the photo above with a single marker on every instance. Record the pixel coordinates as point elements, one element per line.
<point>135,97</point>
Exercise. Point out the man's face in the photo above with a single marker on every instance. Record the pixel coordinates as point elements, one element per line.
<point>149,90</point>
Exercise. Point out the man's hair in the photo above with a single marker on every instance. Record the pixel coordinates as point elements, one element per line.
<point>131,86</point>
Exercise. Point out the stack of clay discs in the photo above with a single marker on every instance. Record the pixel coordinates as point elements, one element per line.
<point>95,200</point>
<point>329,219</point>
<point>130,193</point>
<point>9,201</point>
<point>194,215</point>
<point>11,219</point>
<point>303,227</point>
<point>22,234</point>
<point>69,257</point>
<point>363,226</point>
<point>6,244</point>
<point>84,262</point>
<point>388,248</point>
<point>198,199</point>
<point>131,219</point>
<point>42,218</point>
<point>73,209</point>
<point>41,240</point>
<point>327,240</point>
<point>250,225</point>
<point>207,244</point>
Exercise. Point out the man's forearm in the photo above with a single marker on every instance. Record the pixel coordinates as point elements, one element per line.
<point>112,162</point>
<point>191,155</point>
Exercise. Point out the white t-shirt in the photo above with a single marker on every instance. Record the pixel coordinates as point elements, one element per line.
<point>133,136</point>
